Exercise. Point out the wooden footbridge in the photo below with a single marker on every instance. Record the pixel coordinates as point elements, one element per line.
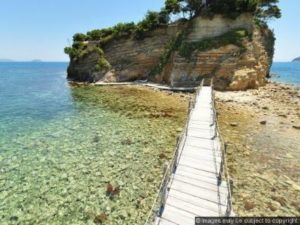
<point>195,182</point>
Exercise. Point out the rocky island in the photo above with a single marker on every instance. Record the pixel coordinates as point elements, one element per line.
<point>230,42</point>
<point>234,46</point>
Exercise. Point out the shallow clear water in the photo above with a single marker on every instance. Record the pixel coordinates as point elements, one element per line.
<point>61,145</point>
<point>286,72</point>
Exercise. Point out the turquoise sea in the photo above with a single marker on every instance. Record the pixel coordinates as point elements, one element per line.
<point>61,145</point>
<point>286,72</point>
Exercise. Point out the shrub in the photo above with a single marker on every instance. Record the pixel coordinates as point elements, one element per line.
<point>151,21</point>
<point>163,17</point>
<point>72,52</point>
<point>123,29</point>
<point>79,37</point>
<point>94,35</point>
<point>172,6</point>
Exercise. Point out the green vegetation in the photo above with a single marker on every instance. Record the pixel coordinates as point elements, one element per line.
<point>102,64</point>
<point>80,49</point>
<point>261,9</point>
<point>234,37</point>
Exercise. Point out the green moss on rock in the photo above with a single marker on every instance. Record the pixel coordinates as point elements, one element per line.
<point>234,37</point>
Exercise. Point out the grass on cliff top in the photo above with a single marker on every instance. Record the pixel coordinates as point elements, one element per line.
<point>234,37</point>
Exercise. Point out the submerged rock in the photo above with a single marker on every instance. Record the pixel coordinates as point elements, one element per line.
<point>234,124</point>
<point>274,206</point>
<point>101,218</point>
<point>297,127</point>
<point>263,122</point>
<point>248,205</point>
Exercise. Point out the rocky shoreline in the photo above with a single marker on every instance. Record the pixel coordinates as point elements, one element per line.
<point>262,129</point>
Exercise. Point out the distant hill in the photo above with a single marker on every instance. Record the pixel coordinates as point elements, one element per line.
<point>296,59</point>
<point>36,60</point>
<point>10,60</point>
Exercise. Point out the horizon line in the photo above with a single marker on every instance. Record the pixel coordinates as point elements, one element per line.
<point>33,61</point>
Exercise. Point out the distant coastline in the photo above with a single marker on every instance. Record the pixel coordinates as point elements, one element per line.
<point>30,61</point>
<point>296,59</point>
<point>6,60</point>
<point>286,73</point>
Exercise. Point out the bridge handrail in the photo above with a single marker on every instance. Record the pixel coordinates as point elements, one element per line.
<point>163,192</point>
<point>224,168</point>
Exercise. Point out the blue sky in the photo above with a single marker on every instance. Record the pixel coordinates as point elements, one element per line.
<point>35,29</point>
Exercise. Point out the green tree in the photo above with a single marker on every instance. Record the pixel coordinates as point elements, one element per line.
<point>152,19</point>
<point>267,9</point>
<point>173,6</point>
<point>192,7</point>
<point>123,29</point>
<point>163,16</point>
<point>94,35</point>
<point>79,37</point>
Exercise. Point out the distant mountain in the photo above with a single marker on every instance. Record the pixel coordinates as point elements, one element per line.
<point>6,60</point>
<point>10,60</point>
<point>36,60</point>
<point>296,59</point>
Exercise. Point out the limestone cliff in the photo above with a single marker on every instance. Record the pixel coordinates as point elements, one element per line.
<point>236,53</point>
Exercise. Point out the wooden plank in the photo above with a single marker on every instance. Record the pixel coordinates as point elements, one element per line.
<point>206,179</point>
<point>203,174</point>
<point>198,160</point>
<point>199,192</point>
<point>165,222</point>
<point>212,206</point>
<point>178,216</point>
<point>201,126</point>
<point>202,114</point>
<point>204,167</point>
<point>201,134</point>
<point>199,183</point>
<point>205,155</point>
<point>202,144</point>
<point>195,209</point>
<point>202,154</point>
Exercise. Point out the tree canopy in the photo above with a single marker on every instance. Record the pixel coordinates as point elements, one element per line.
<point>262,10</point>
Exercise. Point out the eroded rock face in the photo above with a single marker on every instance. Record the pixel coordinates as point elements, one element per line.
<point>244,79</point>
<point>83,69</point>
<point>133,59</point>
<point>231,68</point>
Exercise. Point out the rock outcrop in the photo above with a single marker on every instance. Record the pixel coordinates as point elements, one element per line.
<point>233,65</point>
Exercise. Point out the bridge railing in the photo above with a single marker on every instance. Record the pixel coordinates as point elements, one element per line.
<point>159,202</point>
<point>223,172</point>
